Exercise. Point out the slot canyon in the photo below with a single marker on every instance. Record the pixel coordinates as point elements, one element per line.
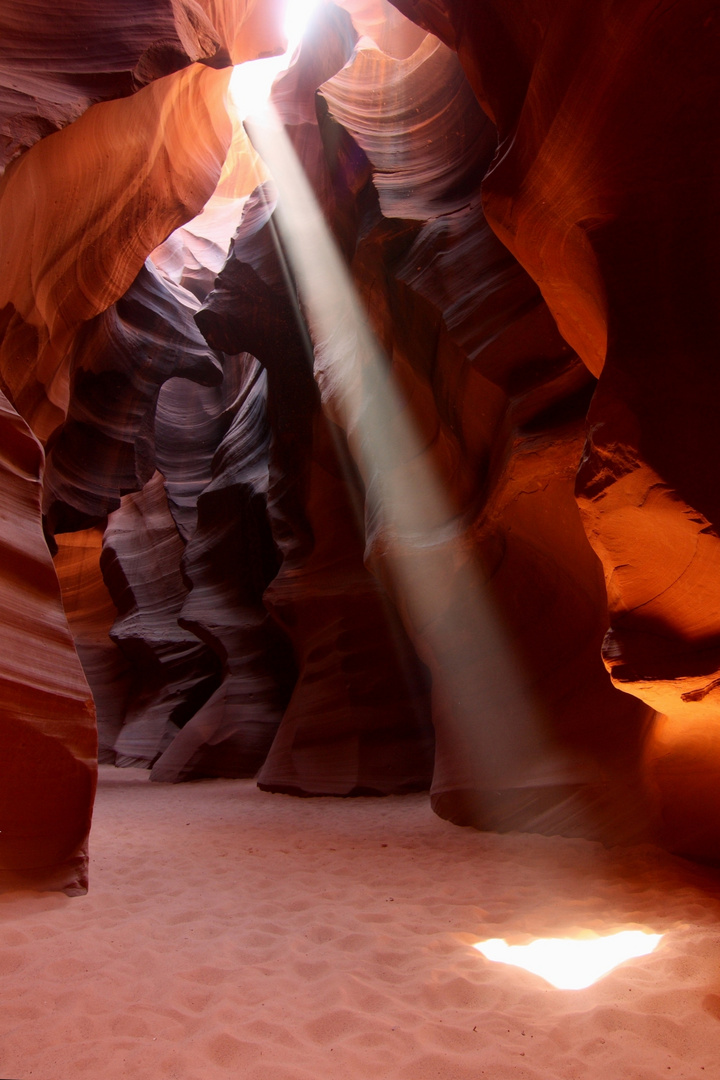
<point>392,471</point>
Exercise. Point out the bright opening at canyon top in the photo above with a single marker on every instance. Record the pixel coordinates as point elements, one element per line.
<point>252,81</point>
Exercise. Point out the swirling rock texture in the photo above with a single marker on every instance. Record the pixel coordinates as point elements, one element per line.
<point>498,401</point>
<point>120,360</point>
<point>81,209</point>
<point>229,560</point>
<point>57,59</point>
<point>160,168</point>
<point>604,186</point>
<point>263,584</point>
<point>357,721</point>
<point>191,421</point>
<point>91,613</point>
<point>48,761</point>
<point>193,255</point>
<point>176,672</point>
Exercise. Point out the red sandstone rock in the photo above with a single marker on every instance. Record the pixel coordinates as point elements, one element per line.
<point>91,614</point>
<point>173,672</point>
<point>229,561</point>
<point>121,358</point>
<point>193,255</point>
<point>80,211</point>
<point>213,450</point>
<point>249,29</point>
<point>425,133</point>
<point>191,422</point>
<point>497,401</point>
<point>356,722</point>
<point>379,20</point>
<point>159,154</point>
<point>48,762</point>
<point>604,186</point>
<point>57,59</point>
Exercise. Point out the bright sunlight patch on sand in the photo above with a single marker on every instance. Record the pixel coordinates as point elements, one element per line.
<point>251,82</point>
<point>571,963</point>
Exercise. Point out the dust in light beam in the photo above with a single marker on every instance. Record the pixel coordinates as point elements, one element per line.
<point>572,963</point>
<point>424,546</point>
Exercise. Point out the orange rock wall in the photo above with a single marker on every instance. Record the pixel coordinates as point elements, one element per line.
<point>48,764</point>
<point>529,731</point>
<point>605,188</point>
<point>119,142</point>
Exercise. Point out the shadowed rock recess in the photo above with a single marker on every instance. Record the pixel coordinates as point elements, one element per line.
<point>479,556</point>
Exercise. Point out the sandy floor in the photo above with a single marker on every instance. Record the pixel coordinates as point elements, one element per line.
<point>231,933</point>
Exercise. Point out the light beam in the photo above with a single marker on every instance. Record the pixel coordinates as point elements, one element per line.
<point>251,82</point>
<point>418,541</point>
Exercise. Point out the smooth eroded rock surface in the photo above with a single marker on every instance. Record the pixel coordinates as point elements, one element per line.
<point>357,720</point>
<point>48,765</point>
<point>605,187</point>
<point>174,673</point>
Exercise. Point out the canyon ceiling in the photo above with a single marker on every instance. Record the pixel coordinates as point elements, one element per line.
<point>427,498</point>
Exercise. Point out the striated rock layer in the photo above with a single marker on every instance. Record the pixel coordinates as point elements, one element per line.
<point>511,598</point>
<point>164,148</point>
<point>95,189</point>
<point>605,187</point>
<point>175,672</point>
<point>120,360</point>
<point>57,59</point>
<point>91,614</point>
<point>357,720</point>
<point>493,576</point>
<point>48,765</point>
<point>229,561</point>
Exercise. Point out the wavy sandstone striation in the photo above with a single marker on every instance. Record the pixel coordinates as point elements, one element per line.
<point>48,770</point>
<point>604,187</point>
<point>356,722</point>
<point>91,613</point>
<point>191,422</point>
<point>121,359</point>
<point>192,256</point>
<point>80,210</point>
<point>230,560</point>
<point>213,447</point>
<point>318,538</point>
<point>57,59</point>
<point>154,159</point>
<point>174,673</point>
<point>497,401</point>
<point>419,123</point>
